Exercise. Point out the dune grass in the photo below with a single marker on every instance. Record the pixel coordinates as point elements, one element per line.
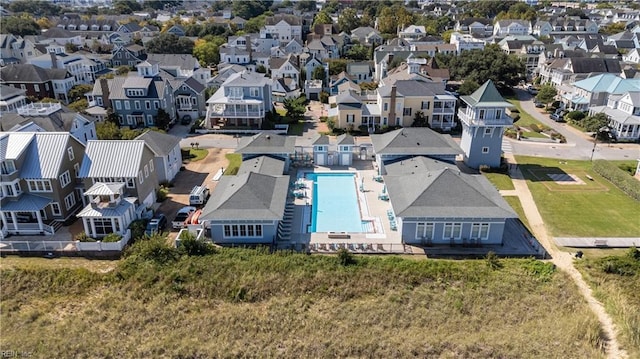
<point>615,281</point>
<point>237,303</point>
<point>593,209</point>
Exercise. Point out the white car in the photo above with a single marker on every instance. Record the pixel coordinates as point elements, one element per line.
<point>181,216</point>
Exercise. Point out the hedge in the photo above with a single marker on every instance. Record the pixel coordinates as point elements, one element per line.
<point>618,177</point>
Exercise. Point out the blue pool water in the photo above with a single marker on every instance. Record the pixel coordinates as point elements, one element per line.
<point>335,203</point>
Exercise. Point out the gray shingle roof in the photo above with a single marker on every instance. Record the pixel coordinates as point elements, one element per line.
<point>185,61</point>
<point>7,92</point>
<point>445,193</point>
<point>161,144</point>
<point>345,139</point>
<point>250,195</point>
<point>414,141</point>
<point>266,143</point>
<point>112,158</point>
<point>262,164</point>
<point>30,73</point>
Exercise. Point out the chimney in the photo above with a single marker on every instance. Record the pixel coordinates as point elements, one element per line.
<point>392,107</point>
<point>104,86</point>
<point>54,60</point>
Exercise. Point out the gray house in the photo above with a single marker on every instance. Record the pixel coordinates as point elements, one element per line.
<point>166,148</point>
<point>266,144</point>
<point>438,204</point>
<point>38,179</point>
<point>248,207</point>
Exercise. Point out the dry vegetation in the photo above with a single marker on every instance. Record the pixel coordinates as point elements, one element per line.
<point>161,303</point>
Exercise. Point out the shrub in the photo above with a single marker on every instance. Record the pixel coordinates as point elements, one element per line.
<point>618,177</point>
<point>83,237</point>
<point>137,228</point>
<point>575,116</point>
<point>154,249</point>
<point>111,237</point>
<point>492,260</point>
<point>190,246</point>
<point>324,97</point>
<point>345,257</point>
<point>535,128</point>
<point>331,124</point>
<point>161,194</point>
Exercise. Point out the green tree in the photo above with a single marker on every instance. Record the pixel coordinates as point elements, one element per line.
<point>122,70</point>
<point>77,92</point>
<point>322,17</point>
<point>295,108</point>
<point>107,130</point>
<point>162,119</point>
<point>319,74</point>
<point>595,123</point>
<point>126,6</point>
<point>306,5</point>
<point>19,26</point>
<point>575,116</point>
<point>337,66</point>
<point>79,105</point>
<point>167,43</point>
<point>254,24</point>
<point>391,17</point>
<point>129,134</point>
<point>613,28</point>
<point>35,8</point>
<point>348,20</point>
<point>207,53</point>
<point>420,120</point>
<point>358,52</point>
<point>248,9</point>
<point>546,94</point>
<point>489,63</point>
<point>261,69</point>
<point>468,87</point>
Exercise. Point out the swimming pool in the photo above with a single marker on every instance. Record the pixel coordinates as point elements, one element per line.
<point>335,203</point>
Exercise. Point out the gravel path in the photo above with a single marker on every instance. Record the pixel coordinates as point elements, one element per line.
<point>564,261</point>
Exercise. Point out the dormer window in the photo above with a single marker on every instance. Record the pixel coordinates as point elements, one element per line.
<point>135,92</point>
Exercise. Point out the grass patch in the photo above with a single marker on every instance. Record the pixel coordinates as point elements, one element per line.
<point>615,281</point>
<point>235,160</point>
<point>237,303</point>
<point>296,129</point>
<point>281,111</point>
<point>534,135</point>
<point>595,209</point>
<point>515,203</point>
<point>500,180</point>
<point>195,154</point>
<point>526,119</point>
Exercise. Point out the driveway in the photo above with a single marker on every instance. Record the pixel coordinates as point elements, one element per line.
<point>579,146</point>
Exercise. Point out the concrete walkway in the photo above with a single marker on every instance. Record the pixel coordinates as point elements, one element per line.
<point>563,260</point>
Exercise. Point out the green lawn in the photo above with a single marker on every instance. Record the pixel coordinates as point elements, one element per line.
<point>515,203</point>
<point>281,111</point>
<point>235,160</point>
<point>196,154</point>
<point>500,180</point>
<point>594,209</point>
<point>296,129</point>
<point>531,134</point>
<point>525,118</point>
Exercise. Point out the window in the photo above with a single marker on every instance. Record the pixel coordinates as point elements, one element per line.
<point>36,87</point>
<point>147,105</point>
<point>254,91</point>
<point>425,105</point>
<point>127,105</point>
<point>452,230</point>
<point>137,105</point>
<point>488,131</point>
<point>103,226</point>
<point>70,153</point>
<point>480,230</point>
<point>151,165</point>
<point>424,231</point>
<point>65,179</point>
<point>7,167</point>
<point>131,183</point>
<point>351,118</point>
<point>76,169</point>
<point>385,107</point>
<point>320,148</point>
<point>70,201</point>
<point>485,150</point>
<point>242,230</point>
<point>146,171</point>
<point>39,185</point>
<point>156,105</point>
<point>118,105</point>
<point>140,178</point>
<point>406,111</point>
<point>481,116</point>
<point>498,114</point>
<point>55,209</point>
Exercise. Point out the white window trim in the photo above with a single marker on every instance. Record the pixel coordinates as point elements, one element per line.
<point>70,201</point>
<point>485,150</point>
<point>55,205</point>
<point>65,179</point>
<point>70,153</point>
<point>140,178</point>
<point>151,165</point>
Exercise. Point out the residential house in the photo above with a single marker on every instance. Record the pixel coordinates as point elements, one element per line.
<point>632,57</point>
<point>435,203</point>
<point>596,90</point>
<point>167,155</point>
<point>526,48</point>
<point>474,26</point>
<point>11,99</point>
<point>284,27</point>
<point>224,71</point>
<point>310,66</point>
<point>412,32</point>
<point>136,98</point>
<point>50,117</point>
<point>366,35</point>
<point>121,180</point>
<point>38,82</point>
<point>484,117</point>
<point>623,112</point>
<point>338,80</point>
<point>323,48</point>
<point>294,46</point>
<point>130,55</point>
<point>512,27</point>
<point>37,181</point>
<point>247,208</point>
<point>16,50</point>
<point>95,23</point>
<point>564,26</point>
<point>573,69</point>
<point>624,41</point>
<point>234,55</point>
<point>397,105</point>
<point>286,67</point>
<point>243,100</point>
<point>85,69</point>
<point>328,151</point>
<point>177,30</point>
<point>465,42</point>
<point>189,95</point>
<point>181,66</point>
<point>360,72</point>
<point>60,36</point>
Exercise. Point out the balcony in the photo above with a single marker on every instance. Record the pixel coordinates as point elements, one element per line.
<point>504,120</point>
<point>39,109</point>
<point>234,112</point>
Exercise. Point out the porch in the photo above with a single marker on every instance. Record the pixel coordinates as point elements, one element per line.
<point>24,216</point>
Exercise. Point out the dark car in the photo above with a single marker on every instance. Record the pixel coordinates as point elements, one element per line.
<point>186,119</point>
<point>539,104</point>
<point>156,224</point>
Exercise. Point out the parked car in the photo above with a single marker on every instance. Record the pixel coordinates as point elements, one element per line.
<point>186,120</point>
<point>181,217</point>
<point>198,195</point>
<point>557,117</point>
<point>539,104</point>
<point>532,90</point>
<point>156,224</point>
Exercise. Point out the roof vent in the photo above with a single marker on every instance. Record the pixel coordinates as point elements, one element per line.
<point>268,137</point>
<point>418,143</point>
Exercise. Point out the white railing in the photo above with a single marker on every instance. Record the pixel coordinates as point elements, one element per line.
<point>39,109</point>
<point>27,228</point>
<point>503,120</point>
<point>231,113</point>
<point>37,246</point>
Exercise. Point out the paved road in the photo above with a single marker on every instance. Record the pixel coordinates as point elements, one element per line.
<point>579,146</point>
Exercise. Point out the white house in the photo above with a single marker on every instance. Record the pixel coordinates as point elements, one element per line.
<point>512,27</point>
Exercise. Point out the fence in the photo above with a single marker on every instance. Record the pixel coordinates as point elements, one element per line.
<point>105,246</point>
<point>37,246</point>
